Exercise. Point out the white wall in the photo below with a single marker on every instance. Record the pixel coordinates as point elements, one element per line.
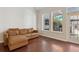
<point>72,9</point>
<point>30,18</point>
<point>16,17</point>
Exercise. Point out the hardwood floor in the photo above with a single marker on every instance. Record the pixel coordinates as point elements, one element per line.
<point>44,44</point>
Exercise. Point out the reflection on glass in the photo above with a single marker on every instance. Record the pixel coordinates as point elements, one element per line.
<point>46,23</point>
<point>57,22</point>
<point>74,28</point>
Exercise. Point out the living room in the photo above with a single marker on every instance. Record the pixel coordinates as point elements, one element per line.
<point>39,29</point>
<point>52,36</point>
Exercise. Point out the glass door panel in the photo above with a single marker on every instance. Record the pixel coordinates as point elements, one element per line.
<point>74,29</point>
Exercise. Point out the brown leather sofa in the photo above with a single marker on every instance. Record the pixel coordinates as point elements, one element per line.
<point>15,38</point>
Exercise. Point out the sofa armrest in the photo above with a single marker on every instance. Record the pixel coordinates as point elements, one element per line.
<point>5,39</point>
<point>6,35</point>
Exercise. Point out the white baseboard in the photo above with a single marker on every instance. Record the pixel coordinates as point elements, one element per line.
<point>76,42</point>
<point>54,38</point>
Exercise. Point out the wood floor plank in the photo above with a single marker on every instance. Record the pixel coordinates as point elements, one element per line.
<point>44,44</point>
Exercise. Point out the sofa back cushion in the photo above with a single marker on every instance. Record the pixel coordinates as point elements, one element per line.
<point>13,31</point>
<point>23,31</point>
<point>30,30</point>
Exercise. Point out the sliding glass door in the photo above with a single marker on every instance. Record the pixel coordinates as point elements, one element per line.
<point>74,28</point>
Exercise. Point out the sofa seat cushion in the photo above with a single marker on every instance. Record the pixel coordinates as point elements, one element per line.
<point>17,39</point>
<point>28,35</point>
<point>34,34</point>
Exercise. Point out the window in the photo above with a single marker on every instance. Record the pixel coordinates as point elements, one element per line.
<point>45,22</point>
<point>57,22</point>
